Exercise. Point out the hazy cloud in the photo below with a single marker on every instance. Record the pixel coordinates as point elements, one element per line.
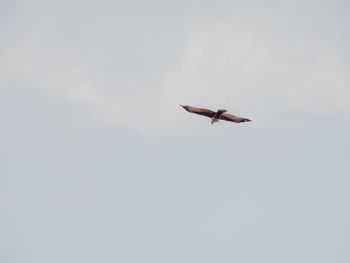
<point>132,64</point>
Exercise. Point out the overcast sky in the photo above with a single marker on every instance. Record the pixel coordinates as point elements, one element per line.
<point>99,163</point>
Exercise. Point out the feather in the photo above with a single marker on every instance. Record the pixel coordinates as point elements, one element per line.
<point>200,111</point>
<point>233,118</point>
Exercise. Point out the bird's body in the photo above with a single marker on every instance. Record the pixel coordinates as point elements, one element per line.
<point>215,116</point>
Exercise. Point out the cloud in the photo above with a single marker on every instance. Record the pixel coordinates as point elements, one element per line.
<point>133,70</point>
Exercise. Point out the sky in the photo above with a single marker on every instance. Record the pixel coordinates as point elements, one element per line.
<point>99,163</point>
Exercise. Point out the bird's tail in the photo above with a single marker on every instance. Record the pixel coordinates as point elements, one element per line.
<point>214,120</point>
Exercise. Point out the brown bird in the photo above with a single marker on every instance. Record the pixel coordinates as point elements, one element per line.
<point>215,116</point>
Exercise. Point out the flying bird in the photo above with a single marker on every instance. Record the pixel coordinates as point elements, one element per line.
<point>215,116</point>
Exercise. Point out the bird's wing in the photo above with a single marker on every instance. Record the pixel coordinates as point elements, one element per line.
<point>200,111</point>
<point>233,118</point>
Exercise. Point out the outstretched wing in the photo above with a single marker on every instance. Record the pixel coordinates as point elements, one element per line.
<point>233,118</point>
<point>200,111</point>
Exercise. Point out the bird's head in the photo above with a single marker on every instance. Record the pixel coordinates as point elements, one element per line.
<point>246,120</point>
<point>221,111</point>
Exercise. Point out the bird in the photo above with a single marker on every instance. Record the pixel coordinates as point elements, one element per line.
<point>215,116</point>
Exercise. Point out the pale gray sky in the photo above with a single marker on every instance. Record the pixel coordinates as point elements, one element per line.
<point>100,164</point>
